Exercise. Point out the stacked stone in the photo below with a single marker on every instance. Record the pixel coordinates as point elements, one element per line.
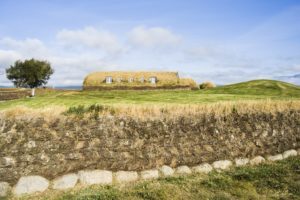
<point>32,184</point>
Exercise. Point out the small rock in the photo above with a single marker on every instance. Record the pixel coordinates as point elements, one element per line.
<point>4,189</point>
<point>183,170</point>
<point>241,161</point>
<point>65,182</point>
<point>44,157</point>
<point>166,171</point>
<point>149,174</point>
<point>203,168</point>
<point>79,145</point>
<point>30,144</point>
<point>95,177</point>
<point>126,176</point>
<point>275,158</point>
<point>222,164</point>
<point>30,184</point>
<point>265,133</point>
<point>208,148</point>
<point>257,160</point>
<point>289,153</point>
<point>7,162</point>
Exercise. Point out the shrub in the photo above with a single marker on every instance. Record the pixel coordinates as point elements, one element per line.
<point>207,85</point>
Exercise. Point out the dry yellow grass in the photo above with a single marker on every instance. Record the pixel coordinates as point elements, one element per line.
<point>163,111</point>
<point>22,112</point>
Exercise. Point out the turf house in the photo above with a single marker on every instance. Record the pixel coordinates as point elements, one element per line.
<point>136,80</point>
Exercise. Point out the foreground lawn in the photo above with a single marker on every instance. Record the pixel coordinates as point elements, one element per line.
<point>74,98</point>
<point>279,180</point>
<point>252,90</point>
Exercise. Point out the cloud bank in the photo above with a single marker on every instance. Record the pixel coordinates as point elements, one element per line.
<point>74,53</point>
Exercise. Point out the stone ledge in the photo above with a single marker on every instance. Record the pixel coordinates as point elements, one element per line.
<point>91,177</point>
<point>33,184</point>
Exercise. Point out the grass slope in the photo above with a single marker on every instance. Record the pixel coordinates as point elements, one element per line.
<point>252,90</point>
<point>259,87</point>
<point>279,180</point>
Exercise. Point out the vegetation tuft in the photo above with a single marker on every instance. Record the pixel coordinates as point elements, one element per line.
<point>92,111</point>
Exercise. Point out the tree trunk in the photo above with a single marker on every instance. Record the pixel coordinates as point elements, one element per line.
<point>32,92</point>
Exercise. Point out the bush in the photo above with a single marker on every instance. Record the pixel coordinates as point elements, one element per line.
<point>207,85</point>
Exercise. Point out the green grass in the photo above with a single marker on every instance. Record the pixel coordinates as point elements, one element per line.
<point>253,90</point>
<point>259,87</point>
<point>280,180</point>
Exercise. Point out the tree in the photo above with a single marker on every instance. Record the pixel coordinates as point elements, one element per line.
<point>30,73</point>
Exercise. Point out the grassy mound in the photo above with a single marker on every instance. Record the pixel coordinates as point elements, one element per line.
<point>258,87</point>
<point>279,180</point>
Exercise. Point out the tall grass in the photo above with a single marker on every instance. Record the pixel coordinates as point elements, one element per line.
<point>153,111</point>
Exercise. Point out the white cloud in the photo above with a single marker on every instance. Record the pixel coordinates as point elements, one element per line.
<point>8,57</point>
<point>153,37</point>
<point>29,46</point>
<point>89,37</point>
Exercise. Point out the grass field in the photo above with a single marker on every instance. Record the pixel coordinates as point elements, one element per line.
<point>253,90</point>
<point>279,180</point>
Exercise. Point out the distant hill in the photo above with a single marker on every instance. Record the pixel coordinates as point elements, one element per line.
<point>259,87</point>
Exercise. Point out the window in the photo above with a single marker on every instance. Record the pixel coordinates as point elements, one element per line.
<point>131,79</point>
<point>152,80</point>
<point>108,79</point>
<point>142,79</point>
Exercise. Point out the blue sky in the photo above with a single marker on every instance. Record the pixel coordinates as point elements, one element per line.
<point>223,41</point>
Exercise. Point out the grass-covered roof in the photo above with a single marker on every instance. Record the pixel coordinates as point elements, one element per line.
<point>98,78</point>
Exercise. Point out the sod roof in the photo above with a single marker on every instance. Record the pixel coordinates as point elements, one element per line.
<point>98,78</point>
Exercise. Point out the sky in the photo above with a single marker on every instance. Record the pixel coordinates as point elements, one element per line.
<point>223,41</point>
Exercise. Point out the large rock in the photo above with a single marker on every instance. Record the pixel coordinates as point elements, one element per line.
<point>275,157</point>
<point>126,176</point>
<point>91,177</point>
<point>4,189</point>
<point>166,171</point>
<point>181,170</point>
<point>222,164</point>
<point>203,168</point>
<point>31,184</point>
<point>149,174</point>
<point>241,161</point>
<point>257,160</point>
<point>65,182</point>
<point>289,153</point>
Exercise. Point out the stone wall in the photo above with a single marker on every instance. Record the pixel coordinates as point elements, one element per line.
<point>51,148</point>
<point>32,184</point>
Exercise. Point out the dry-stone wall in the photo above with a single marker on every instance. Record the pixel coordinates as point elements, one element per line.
<point>75,148</point>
